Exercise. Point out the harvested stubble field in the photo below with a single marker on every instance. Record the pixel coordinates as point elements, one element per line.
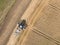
<point>5,5</point>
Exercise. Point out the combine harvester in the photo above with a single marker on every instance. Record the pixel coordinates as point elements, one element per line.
<point>18,31</point>
<point>21,26</point>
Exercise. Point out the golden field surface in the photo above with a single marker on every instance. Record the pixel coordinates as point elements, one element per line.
<point>43,23</point>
